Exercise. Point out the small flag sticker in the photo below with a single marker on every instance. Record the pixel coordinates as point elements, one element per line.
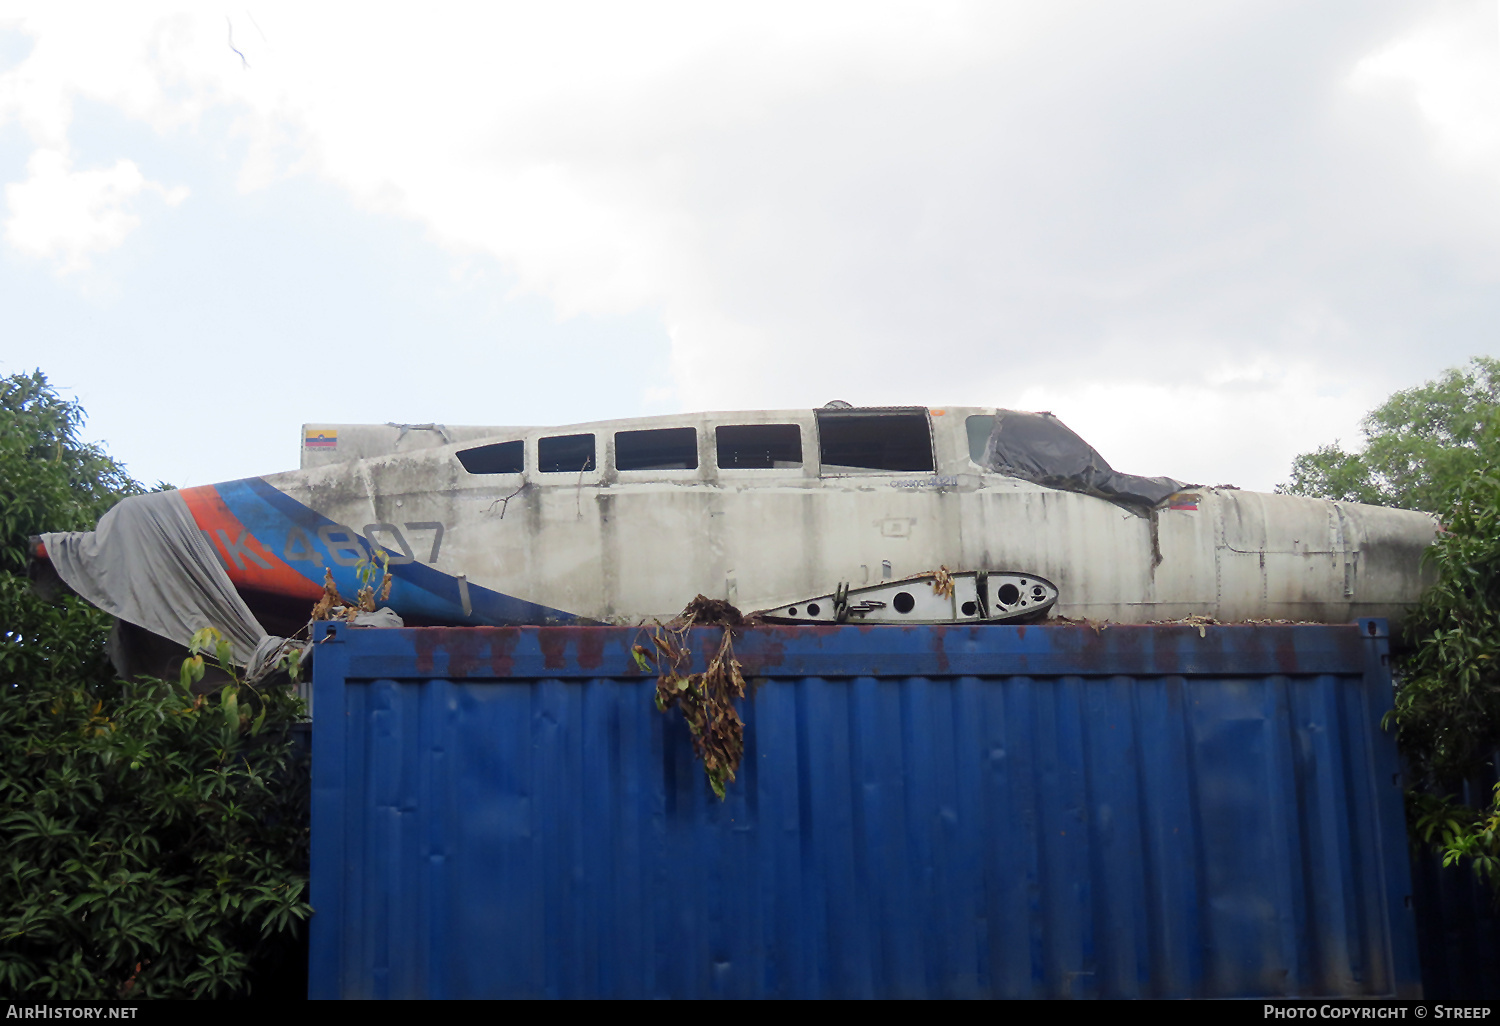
<point>320,438</point>
<point>1183,500</point>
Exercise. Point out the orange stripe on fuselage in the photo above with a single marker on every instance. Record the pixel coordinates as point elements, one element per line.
<point>212,515</point>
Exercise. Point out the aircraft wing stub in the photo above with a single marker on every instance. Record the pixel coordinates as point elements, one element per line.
<point>972,596</point>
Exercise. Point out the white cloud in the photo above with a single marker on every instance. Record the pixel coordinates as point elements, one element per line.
<point>67,216</point>
<point>1450,69</point>
<point>1242,425</point>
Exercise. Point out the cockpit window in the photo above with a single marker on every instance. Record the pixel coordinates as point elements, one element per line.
<point>565,454</point>
<point>498,458</point>
<point>979,436</point>
<point>759,446</point>
<point>899,439</point>
<point>658,449</point>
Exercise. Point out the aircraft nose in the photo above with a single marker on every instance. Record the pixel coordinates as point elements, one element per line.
<point>1321,559</point>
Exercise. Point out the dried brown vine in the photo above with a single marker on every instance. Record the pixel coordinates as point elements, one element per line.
<point>706,699</point>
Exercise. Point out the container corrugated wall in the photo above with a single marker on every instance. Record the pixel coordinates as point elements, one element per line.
<point>921,812</point>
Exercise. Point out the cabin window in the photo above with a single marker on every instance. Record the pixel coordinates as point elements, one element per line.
<point>658,449</point>
<point>499,458</point>
<point>875,440</point>
<point>565,454</point>
<point>759,446</point>
<point>979,437</point>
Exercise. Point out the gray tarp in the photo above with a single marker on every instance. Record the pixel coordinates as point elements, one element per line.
<point>1038,447</point>
<point>148,563</point>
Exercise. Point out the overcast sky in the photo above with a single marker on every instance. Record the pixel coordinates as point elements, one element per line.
<point>1208,236</point>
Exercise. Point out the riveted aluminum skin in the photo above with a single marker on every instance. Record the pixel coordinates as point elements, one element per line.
<point>922,812</point>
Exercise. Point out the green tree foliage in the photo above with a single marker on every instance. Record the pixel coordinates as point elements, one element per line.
<point>49,481</point>
<point>1448,707</point>
<point>1436,447</point>
<point>152,842</point>
<point>1420,445</point>
<point>1448,704</point>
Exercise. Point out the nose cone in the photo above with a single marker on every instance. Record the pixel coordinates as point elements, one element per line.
<point>1319,560</point>
<point>1389,547</point>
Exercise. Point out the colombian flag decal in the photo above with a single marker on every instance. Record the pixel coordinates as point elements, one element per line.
<point>1183,500</point>
<point>320,438</point>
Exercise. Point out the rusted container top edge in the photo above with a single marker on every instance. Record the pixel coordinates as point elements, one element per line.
<point>853,651</point>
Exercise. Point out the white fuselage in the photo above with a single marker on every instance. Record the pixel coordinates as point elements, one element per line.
<point>623,545</point>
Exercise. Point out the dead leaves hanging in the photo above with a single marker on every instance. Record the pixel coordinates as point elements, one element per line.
<point>374,576</point>
<point>942,583</point>
<point>706,699</point>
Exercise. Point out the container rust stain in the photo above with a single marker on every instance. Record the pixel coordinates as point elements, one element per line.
<point>502,644</point>
<point>467,649</point>
<point>939,645</point>
<point>765,650</point>
<point>426,643</point>
<point>554,644</point>
<point>590,646</point>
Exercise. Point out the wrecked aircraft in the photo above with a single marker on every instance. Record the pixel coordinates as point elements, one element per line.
<point>780,511</point>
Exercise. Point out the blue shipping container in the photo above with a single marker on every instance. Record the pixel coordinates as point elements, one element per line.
<point>1049,811</point>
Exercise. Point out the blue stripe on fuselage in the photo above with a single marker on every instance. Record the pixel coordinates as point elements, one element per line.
<point>420,592</point>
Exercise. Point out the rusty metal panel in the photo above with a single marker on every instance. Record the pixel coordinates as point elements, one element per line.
<point>922,812</point>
